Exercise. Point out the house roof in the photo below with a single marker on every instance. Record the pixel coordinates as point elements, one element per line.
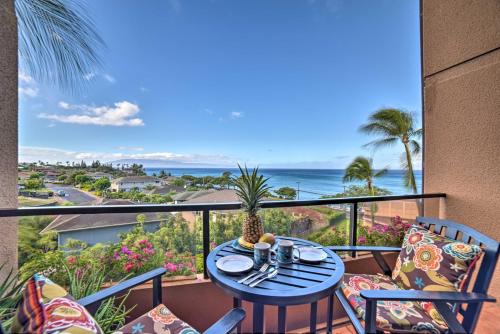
<point>100,174</point>
<point>92,221</point>
<point>187,195</point>
<point>163,190</point>
<point>137,179</point>
<point>220,196</point>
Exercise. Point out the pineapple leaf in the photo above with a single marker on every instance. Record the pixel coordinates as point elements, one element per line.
<point>251,188</point>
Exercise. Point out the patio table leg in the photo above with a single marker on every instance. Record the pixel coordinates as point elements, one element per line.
<point>258,318</point>
<point>281,319</point>
<point>314,311</point>
<point>237,303</point>
<point>329,321</point>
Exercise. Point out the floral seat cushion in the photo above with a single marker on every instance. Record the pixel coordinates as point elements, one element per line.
<point>431,262</point>
<point>159,320</point>
<point>45,307</point>
<point>392,317</point>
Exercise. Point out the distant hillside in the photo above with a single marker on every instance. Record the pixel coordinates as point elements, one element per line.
<point>151,163</point>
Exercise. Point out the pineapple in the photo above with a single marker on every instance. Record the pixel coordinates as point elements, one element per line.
<point>251,189</point>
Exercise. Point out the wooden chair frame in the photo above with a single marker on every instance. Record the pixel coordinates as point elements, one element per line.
<point>224,325</point>
<point>474,300</point>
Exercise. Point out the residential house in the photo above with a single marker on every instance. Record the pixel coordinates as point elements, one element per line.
<point>164,190</point>
<point>189,195</point>
<point>128,183</point>
<point>214,196</point>
<point>98,175</point>
<point>101,228</point>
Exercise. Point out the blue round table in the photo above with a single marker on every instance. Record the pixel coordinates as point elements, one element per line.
<point>296,283</point>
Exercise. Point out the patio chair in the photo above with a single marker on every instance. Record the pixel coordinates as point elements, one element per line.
<point>427,293</point>
<point>47,306</point>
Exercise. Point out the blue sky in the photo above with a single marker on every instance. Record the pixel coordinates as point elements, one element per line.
<point>274,83</point>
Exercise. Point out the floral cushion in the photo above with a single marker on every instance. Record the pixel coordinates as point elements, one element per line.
<point>157,321</point>
<point>392,317</point>
<point>429,261</point>
<point>47,308</point>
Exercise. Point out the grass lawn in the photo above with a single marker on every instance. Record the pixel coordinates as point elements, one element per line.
<point>31,201</point>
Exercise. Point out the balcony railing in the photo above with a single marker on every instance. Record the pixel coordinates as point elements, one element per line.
<point>206,208</point>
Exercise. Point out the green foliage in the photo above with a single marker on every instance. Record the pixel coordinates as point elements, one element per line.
<point>36,175</point>
<point>10,296</point>
<point>102,184</point>
<point>82,179</point>
<point>357,191</point>
<point>140,197</point>
<point>34,183</point>
<point>179,182</point>
<point>286,193</point>
<point>251,189</point>
<point>29,239</point>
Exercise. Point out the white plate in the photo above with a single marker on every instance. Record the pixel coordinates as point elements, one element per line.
<point>310,254</point>
<point>234,264</point>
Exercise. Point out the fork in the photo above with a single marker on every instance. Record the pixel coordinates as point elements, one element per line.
<point>261,271</point>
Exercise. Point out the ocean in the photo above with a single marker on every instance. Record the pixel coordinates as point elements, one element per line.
<point>313,183</point>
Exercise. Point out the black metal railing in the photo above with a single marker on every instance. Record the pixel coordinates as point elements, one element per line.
<point>206,208</point>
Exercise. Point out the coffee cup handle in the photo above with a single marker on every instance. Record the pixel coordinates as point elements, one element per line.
<point>295,257</point>
<point>271,253</point>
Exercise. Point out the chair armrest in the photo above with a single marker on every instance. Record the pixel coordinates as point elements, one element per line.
<point>98,297</point>
<point>228,322</point>
<point>364,249</point>
<point>428,296</point>
<point>375,250</point>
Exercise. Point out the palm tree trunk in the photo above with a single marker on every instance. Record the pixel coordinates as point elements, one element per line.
<point>411,175</point>
<point>372,205</point>
<point>409,166</point>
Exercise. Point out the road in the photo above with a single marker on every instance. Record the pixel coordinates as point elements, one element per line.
<point>73,195</point>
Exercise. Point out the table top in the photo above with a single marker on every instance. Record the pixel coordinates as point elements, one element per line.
<point>296,283</point>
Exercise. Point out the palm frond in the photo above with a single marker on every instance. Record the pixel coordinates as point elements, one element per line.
<point>415,147</point>
<point>58,42</point>
<point>384,142</point>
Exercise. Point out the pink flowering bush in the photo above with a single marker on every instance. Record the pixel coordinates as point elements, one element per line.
<point>179,264</point>
<point>383,235</point>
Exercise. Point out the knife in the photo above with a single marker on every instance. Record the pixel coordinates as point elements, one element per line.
<point>260,275</point>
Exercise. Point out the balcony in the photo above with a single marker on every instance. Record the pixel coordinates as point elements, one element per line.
<point>330,222</point>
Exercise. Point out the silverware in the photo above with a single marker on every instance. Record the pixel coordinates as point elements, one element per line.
<point>261,271</point>
<point>253,279</point>
<point>268,276</point>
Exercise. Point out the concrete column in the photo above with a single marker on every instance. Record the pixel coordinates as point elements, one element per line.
<point>8,131</point>
<point>461,74</point>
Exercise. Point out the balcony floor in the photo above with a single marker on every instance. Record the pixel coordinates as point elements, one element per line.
<point>485,325</point>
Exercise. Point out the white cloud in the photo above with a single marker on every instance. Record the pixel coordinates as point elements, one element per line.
<point>89,76</point>
<point>28,91</point>
<point>23,77</point>
<point>27,85</point>
<point>130,148</point>
<point>121,114</point>
<point>236,114</point>
<point>109,78</point>
<point>33,153</point>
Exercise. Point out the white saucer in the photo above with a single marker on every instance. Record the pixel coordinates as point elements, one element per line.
<point>311,254</point>
<point>234,264</point>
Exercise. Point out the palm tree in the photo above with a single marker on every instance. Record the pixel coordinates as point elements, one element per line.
<point>393,126</point>
<point>57,42</point>
<point>361,169</point>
